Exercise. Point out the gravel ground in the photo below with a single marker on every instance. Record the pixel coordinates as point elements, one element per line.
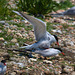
<point>14,33</point>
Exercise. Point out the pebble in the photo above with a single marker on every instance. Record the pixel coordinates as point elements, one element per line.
<point>9,31</point>
<point>14,40</point>
<point>0,31</point>
<point>20,65</point>
<point>57,31</point>
<point>17,44</point>
<point>70,43</point>
<point>13,73</point>
<point>6,24</point>
<point>19,34</point>
<point>26,22</point>
<point>5,42</point>
<point>25,35</point>
<point>2,22</point>
<point>32,59</point>
<point>73,73</point>
<point>1,39</point>
<point>48,62</point>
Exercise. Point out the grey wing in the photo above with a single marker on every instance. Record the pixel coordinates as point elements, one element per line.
<point>40,51</point>
<point>38,25</point>
<point>70,11</point>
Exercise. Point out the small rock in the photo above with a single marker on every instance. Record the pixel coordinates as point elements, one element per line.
<point>14,40</point>
<point>13,73</point>
<point>73,73</point>
<point>32,59</point>
<point>6,24</point>
<point>13,27</point>
<point>26,22</point>
<point>25,35</point>
<point>20,65</point>
<point>9,31</point>
<point>1,39</point>
<point>0,31</point>
<point>19,34</point>
<point>70,43</point>
<point>11,20</point>
<point>2,22</point>
<point>17,44</point>
<point>5,42</point>
<point>57,31</point>
<point>48,62</point>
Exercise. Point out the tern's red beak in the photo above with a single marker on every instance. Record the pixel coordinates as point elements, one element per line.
<point>4,63</point>
<point>62,53</point>
<point>57,43</point>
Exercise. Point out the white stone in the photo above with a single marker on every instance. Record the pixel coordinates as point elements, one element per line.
<point>48,62</point>
<point>32,59</point>
<point>17,44</point>
<point>20,65</point>
<point>26,22</point>
<point>57,31</point>
<point>2,22</point>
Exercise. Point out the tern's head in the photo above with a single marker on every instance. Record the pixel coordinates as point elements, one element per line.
<point>60,50</point>
<point>56,39</point>
<point>4,62</point>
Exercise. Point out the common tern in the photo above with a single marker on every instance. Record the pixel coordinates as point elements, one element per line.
<point>3,67</point>
<point>44,39</point>
<point>49,52</point>
<point>70,12</point>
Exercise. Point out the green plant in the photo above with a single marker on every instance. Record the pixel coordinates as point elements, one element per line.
<point>4,10</point>
<point>64,4</point>
<point>37,7</point>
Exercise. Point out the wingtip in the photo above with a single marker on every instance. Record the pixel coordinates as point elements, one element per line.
<point>17,12</point>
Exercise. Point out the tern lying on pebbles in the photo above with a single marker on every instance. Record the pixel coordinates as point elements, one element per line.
<point>70,12</point>
<point>48,52</point>
<point>2,67</point>
<point>44,39</point>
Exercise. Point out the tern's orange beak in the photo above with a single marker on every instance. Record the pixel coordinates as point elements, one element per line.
<point>62,53</point>
<point>57,43</point>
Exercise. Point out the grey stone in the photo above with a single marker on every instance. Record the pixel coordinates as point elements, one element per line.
<point>6,24</point>
<point>2,22</point>
<point>73,73</point>
<point>13,73</point>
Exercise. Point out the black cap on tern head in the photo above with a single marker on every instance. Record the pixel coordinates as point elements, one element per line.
<point>3,61</point>
<point>56,37</point>
<point>59,49</point>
